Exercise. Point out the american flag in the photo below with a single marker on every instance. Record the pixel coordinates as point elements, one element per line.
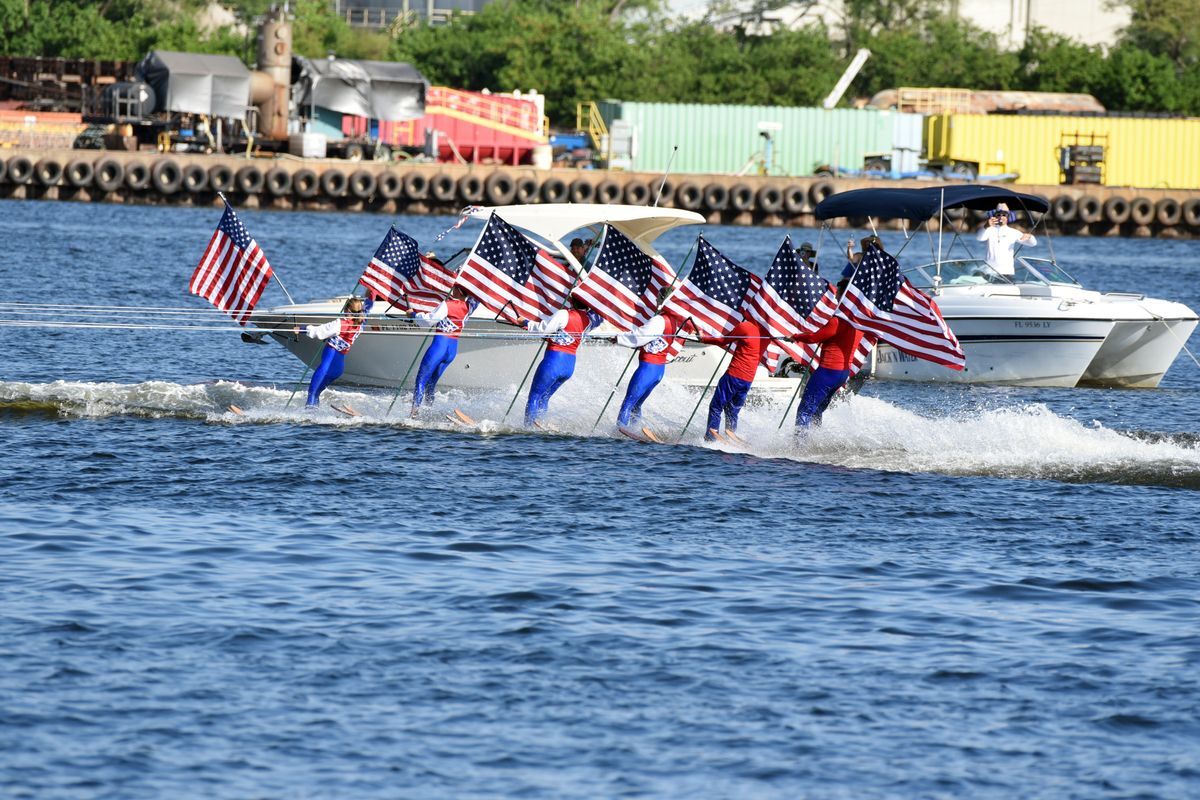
<point>791,298</point>
<point>624,283</point>
<point>507,267</point>
<point>402,275</point>
<point>233,272</point>
<point>713,291</point>
<point>882,302</point>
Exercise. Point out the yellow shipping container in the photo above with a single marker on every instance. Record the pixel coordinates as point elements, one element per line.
<point>1147,153</point>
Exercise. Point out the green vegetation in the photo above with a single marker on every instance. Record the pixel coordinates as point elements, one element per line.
<point>630,49</point>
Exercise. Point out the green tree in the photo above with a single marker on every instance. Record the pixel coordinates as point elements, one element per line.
<point>1168,28</point>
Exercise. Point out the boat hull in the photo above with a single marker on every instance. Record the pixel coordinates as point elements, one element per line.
<point>1137,353</point>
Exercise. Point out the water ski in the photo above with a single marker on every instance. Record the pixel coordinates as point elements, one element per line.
<point>642,435</point>
<point>459,418</point>
<point>545,428</point>
<point>347,410</point>
<point>236,410</point>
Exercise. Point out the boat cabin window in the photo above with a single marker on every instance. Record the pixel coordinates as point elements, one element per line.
<point>1041,270</point>
<point>962,272</point>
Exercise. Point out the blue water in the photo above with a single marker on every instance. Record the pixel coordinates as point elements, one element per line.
<point>948,592</point>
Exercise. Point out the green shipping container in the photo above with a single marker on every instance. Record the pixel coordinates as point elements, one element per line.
<point>727,139</point>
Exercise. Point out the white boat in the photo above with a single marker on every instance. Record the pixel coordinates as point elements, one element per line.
<point>1042,328</point>
<point>1038,327</point>
<point>495,355</point>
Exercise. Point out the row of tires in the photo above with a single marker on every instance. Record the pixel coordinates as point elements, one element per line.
<point>168,177</point>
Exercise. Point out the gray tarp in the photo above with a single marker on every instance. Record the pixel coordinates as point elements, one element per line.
<point>384,90</point>
<point>197,83</point>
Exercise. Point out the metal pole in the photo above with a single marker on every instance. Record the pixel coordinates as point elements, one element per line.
<point>407,372</point>
<point>667,171</point>
<point>522,386</point>
<point>787,411</point>
<point>713,377</point>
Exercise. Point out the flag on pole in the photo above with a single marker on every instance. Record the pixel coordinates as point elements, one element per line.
<point>713,291</point>
<point>402,275</point>
<point>791,299</point>
<point>882,302</point>
<point>624,283</point>
<point>505,266</point>
<point>233,272</point>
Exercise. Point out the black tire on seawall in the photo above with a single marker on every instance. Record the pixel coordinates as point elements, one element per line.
<point>716,197</point>
<point>554,190</point>
<point>3,170</point>
<point>819,191</point>
<point>608,191</point>
<point>769,199</point>
<point>957,212</point>
<point>1191,212</point>
<point>20,170</point>
<point>741,197</point>
<point>1141,210</point>
<point>689,196</point>
<point>391,185</point>
<point>470,188</point>
<point>220,178</point>
<point>527,189</point>
<point>48,172</point>
<point>1090,209</point>
<point>249,180</point>
<point>443,188</point>
<point>80,173</point>
<point>795,200</point>
<point>1116,210</point>
<point>137,176</point>
<point>1064,208</point>
<point>108,174</point>
<point>500,189</point>
<point>278,182</point>
<point>306,184</point>
<point>582,191</point>
<point>334,183</point>
<point>637,194</point>
<point>1168,211</point>
<point>195,179</point>
<point>363,184</point>
<point>416,185</point>
<point>166,176</point>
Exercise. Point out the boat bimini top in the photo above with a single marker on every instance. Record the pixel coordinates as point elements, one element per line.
<point>922,204</point>
<point>553,221</point>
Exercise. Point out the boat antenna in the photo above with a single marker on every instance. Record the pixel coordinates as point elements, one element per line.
<point>937,277</point>
<point>674,150</point>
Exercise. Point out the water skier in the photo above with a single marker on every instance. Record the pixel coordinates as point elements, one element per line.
<point>839,340</point>
<point>339,335</point>
<point>567,327</point>
<point>449,318</point>
<point>654,341</point>
<point>748,340</point>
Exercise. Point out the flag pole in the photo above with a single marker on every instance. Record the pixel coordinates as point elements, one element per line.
<point>666,172</point>
<point>517,394</point>
<point>795,394</point>
<point>274,274</point>
<point>713,377</point>
<point>635,350</point>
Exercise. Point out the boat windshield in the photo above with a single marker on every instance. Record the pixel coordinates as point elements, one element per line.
<point>961,272</point>
<point>1041,270</point>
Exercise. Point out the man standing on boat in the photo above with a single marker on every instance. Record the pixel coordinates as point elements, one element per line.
<point>448,319</point>
<point>655,340</point>
<point>1002,240</point>
<point>748,340</point>
<point>567,328</point>
<point>339,335</point>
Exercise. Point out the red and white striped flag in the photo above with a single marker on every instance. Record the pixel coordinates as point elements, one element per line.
<point>880,301</point>
<point>624,283</point>
<point>506,267</point>
<point>791,299</point>
<point>400,274</point>
<point>713,291</point>
<point>233,272</point>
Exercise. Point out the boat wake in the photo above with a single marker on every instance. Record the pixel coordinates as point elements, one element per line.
<point>1027,442</point>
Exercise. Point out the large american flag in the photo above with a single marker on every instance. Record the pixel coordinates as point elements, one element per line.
<point>882,302</point>
<point>233,272</point>
<point>401,274</point>
<point>791,298</point>
<point>713,291</point>
<point>624,283</point>
<point>506,267</point>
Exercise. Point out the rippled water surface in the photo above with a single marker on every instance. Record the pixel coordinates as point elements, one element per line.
<point>946,592</point>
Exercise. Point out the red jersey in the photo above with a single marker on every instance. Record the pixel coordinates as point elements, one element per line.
<point>656,352</point>
<point>457,312</point>
<point>567,338</point>
<point>838,339</point>
<point>348,331</point>
<point>748,339</point>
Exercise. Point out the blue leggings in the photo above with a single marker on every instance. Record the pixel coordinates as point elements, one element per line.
<point>441,352</point>
<point>552,373</point>
<point>730,397</point>
<point>821,387</point>
<point>644,379</point>
<point>330,369</point>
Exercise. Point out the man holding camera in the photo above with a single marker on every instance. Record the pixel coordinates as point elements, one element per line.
<point>1002,240</point>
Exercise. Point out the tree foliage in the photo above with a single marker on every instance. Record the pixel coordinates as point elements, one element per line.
<point>581,50</point>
